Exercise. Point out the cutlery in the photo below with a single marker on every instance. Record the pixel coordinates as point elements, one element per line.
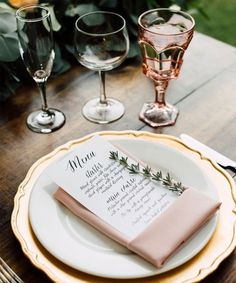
<point>7,275</point>
<point>208,152</point>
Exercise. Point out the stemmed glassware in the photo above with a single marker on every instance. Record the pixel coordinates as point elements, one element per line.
<point>37,51</point>
<point>101,44</point>
<point>164,35</point>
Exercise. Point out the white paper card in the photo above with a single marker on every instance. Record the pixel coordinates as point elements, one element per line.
<point>128,202</point>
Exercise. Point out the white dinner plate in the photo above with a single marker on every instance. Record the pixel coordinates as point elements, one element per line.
<point>80,246</point>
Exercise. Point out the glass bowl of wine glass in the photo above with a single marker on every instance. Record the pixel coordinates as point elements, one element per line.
<point>101,44</point>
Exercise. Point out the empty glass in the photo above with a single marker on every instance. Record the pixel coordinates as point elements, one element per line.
<point>37,51</point>
<point>102,44</point>
<point>164,35</point>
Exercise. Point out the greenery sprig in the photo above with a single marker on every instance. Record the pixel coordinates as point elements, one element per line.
<point>146,171</point>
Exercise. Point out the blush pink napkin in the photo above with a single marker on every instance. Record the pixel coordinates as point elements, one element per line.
<point>165,234</point>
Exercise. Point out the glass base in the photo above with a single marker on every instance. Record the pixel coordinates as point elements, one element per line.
<point>45,122</point>
<point>156,115</point>
<point>97,112</point>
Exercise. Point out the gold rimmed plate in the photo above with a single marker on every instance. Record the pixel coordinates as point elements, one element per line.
<point>195,269</point>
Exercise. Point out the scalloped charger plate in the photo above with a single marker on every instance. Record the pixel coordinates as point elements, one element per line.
<point>80,246</point>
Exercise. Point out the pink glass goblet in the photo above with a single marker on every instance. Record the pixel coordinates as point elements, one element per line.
<point>164,35</point>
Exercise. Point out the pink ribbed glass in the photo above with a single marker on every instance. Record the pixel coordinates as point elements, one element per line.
<point>164,35</point>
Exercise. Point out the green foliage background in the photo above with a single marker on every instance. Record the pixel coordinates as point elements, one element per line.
<point>221,20</point>
<point>64,14</point>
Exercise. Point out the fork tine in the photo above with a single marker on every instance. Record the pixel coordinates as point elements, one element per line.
<point>3,278</point>
<point>8,274</point>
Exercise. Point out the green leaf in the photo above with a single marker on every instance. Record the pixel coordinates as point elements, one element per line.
<point>134,18</point>
<point>9,49</point>
<point>55,24</point>
<point>6,8</point>
<point>7,22</point>
<point>86,8</point>
<point>80,9</point>
<point>96,20</point>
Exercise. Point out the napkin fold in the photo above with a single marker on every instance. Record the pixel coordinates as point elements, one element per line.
<point>165,234</point>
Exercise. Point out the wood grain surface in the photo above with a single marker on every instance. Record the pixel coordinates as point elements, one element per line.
<point>205,94</point>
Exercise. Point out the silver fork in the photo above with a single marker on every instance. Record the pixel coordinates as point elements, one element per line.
<point>7,275</point>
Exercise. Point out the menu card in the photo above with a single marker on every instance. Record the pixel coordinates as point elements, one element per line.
<point>128,202</point>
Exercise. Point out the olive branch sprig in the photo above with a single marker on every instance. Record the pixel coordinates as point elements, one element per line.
<point>166,181</point>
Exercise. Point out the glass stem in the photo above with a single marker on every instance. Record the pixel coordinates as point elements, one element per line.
<point>42,89</point>
<point>160,89</point>
<point>103,98</point>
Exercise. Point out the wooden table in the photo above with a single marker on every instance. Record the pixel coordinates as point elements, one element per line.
<point>205,94</point>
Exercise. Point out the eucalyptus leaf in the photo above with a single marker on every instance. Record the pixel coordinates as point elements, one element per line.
<point>7,22</point>
<point>86,8</point>
<point>134,18</point>
<point>71,11</point>
<point>55,24</point>
<point>80,9</point>
<point>9,49</point>
<point>4,7</point>
<point>96,20</point>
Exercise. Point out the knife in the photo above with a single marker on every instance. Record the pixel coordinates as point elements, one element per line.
<point>208,152</point>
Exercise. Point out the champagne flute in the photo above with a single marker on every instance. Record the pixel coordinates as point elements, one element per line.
<point>37,51</point>
<point>102,44</point>
<point>164,35</point>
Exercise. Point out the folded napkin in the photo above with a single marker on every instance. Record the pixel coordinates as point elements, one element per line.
<point>165,234</point>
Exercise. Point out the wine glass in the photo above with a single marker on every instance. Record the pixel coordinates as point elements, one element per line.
<point>101,44</point>
<point>164,35</point>
<point>37,51</point>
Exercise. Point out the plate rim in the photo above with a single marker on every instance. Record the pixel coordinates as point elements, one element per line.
<point>22,192</point>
